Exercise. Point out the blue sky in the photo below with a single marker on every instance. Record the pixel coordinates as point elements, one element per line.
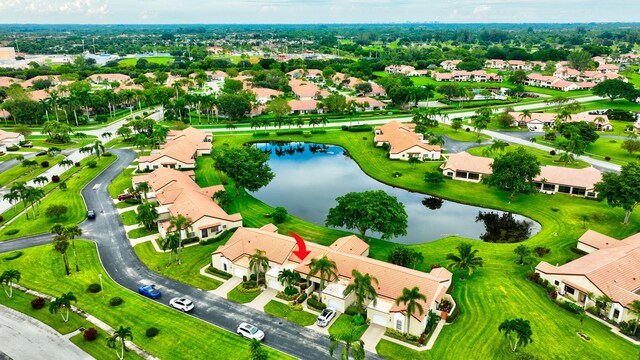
<point>315,11</point>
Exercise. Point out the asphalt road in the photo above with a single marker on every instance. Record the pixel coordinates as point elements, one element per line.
<point>124,267</point>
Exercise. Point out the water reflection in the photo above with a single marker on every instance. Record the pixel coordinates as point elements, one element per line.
<point>503,228</point>
<point>309,177</point>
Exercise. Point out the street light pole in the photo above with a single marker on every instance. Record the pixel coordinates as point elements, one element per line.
<point>101,287</point>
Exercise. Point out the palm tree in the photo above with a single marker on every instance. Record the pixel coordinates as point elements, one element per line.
<point>66,163</point>
<point>106,135</point>
<point>525,114</point>
<point>498,145</point>
<point>143,188</point>
<point>171,242</point>
<point>634,306</point>
<point>64,301</point>
<point>413,160</point>
<point>363,288</point>
<point>410,298</point>
<point>71,232</point>
<point>97,148</point>
<point>147,215</point>
<point>327,269</point>
<point>178,224</point>
<point>602,302</point>
<point>60,245</point>
<point>288,278</point>
<point>41,180</point>
<point>258,262</point>
<point>353,346</point>
<point>466,259</point>
<point>32,195</point>
<point>522,251</point>
<point>257,352</point>
<point>119,336</point>
<point>522,330</point>
<point>8,277</point>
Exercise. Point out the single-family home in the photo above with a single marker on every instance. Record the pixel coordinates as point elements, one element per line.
<point>305,107</point>
<point>519,65</point>
<point>349,254</point>
<point>495,64</point>
<point>450,65</point>
<point>376,90</point>
<point>611,267</point>
<point>466,167</point>
<point>537,121</point>
<point>365,103</point>
<point>558,179</point>
<point>6,81</point>
<point>399,69</point>
<point>309,74</point>
<point>404,142</point>
<point>263,95</point>
<point>177,193</point>
<point>99,79</point>
<point>305,90</point>
<point>217,50</point>
<point>180,151</point>
<point>608,68</point>
<point>8,138</point>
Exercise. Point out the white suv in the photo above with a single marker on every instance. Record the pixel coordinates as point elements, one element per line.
<point>250,332</point>
<point>326,316</point>
<point>183,304</point>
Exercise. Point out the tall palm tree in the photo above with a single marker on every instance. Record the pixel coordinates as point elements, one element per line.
<point>327,269</point>
<point>518,327</point>
<point>143,188</point>
<point>147,215</point>
<point>363,288</point>
<point>288,278</point>
<point>120,336</point>
<point>258,262</point>
<point>525,114</point>
<point>71,232</point>
<point>353,346</point>
<point>179,223</point>
<point>171,242</point>
<point>634,306</point>
<point>97,148</point>
<point>64,301</point>
<point>410,298</point>
<point>466,259</point>
<point>498,145</point>
<point>602,302</point>
<point>32,195</point>
<point>8,277</point>
<point>60,245</point>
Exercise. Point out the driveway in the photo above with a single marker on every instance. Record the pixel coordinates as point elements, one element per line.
<point>124,267</point>
<point>23,337</point>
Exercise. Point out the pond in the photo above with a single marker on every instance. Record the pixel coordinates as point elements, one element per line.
<point>309,177</point>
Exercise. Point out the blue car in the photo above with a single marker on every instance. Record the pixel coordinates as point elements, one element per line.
<point>149,291</point>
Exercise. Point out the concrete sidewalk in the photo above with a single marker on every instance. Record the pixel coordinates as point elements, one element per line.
<point>23,337</point>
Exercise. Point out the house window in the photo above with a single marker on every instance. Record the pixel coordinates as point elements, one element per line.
<point>569,290</point>
<point>474,176</point>
<point>564,189</point>
<point>548,187</point>
<point>399,325</point>
<point>556,282</point>
<point>224,266</point>
<point>204,233</point>
<point>579,191</point>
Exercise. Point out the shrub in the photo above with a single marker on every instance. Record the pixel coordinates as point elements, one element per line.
<point>63,185</point>
<point>13,148</point>
<point>357,128</point>
<point>94,288</point>
<point>626,327</point>
<point>55,179</point>
<point>570,306</point>
<point>435,266</point>
<point>607,158</point>
<point>301,298</point>
<point>279,215</point>
<point>90,334</point>
<point>541,251</point>
<point>38,303</point>
<point>115,301</point>
<point>283,296</point>
<point>261,133</point>
<point>593,310</point>
<point>552,152</point>
<point>454,315</point>
<point>1,218</point>
<point>219,273</point>
<point>244,278</point>
<point>78,164</point>
<point>13,231</point>
<point>294,306</point>
<point>289,290</point>
<point>92,164</point>
<point>358,319</point>
<point>107,154</point>
<point>401,336</point>
<point>253,277</point>
<point>44,164</point>
<point>353,311</point>
<point>318,131</point>
<point>132,201</point>
<point>152,332</point>
<point>314,303</point>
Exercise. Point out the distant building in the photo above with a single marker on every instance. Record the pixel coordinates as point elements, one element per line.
<point>7,53</point>
<point>404,142</point>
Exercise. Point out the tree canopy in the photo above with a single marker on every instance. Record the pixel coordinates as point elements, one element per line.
<point>247,166</point>
<point>514,172</point>
<point>621,190</point>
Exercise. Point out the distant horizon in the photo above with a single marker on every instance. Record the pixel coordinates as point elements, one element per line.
<point>315,12</point>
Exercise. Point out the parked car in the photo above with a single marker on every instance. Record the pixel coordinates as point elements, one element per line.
<point>250,331</point>
<point>91,214</point>
<point>326,316</point>
<point>41,153</point>
<point>125,196</point>
<point>182,304</point>
<point>149,290</point>
<point>27,145</point>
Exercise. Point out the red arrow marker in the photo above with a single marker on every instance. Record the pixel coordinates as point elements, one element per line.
<point>302,251</point>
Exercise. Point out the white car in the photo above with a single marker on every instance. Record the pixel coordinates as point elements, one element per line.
<point>326,316</point>
<point>250,332</point>
<point>183,304</point>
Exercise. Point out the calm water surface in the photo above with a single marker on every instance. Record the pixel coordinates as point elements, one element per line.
<point>309,177</point>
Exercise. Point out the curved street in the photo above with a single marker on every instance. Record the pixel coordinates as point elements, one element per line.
<point>121,263</point>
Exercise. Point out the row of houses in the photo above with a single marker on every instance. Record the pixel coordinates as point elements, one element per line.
<point>538,121</point>
<point>312,106</point>
<point>472,76</point>
<point>349,82</point>
<point>180,151</point>
<point>514,64</point>
<point>611,268</point>
<point>595,76</point>
<point>404,142</point>
<point>350,254</point>
<point>553,82</point>
<point>551,180</point>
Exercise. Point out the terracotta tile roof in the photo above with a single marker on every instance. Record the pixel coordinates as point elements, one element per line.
<point>306,89</point>
<point>266,92</point>
<point>350,244</point>
<point>181,146</point>
<point>303,105</point>
<point>363,99</point>
<point>269,228</point>
<point>598,241</point>
<point>6,81</point>
<point>377,89</point>
<point>585,178</point>
<point>38,95</point>
<point>4,113</point>
<point>401,137</point>
<point>98,78</point>
<point>6,135</point>
<point>466,162</point>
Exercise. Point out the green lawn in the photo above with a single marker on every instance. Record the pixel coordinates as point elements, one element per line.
<point>70,197</point>
<point>40,140</point>
<point>344,325</point>
<point>121,183</point>
<point>493,293</point>
<point>602,148</point>
<point>193,259</point>
<point>162,60</point>
<point>141,232</point>
<point>98,348</point>
<point>124,205</point>
<point>129,217</point>
<point>543,157</point>
<point>136,312</point>
<point>241,297</point>
<point>24,174</point>
<point>283,311</point>
<point>460,135</point>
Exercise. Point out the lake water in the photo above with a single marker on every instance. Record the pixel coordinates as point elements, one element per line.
<point>309,177</point>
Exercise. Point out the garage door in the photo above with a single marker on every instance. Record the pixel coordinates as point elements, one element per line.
<point>380,320</point>
<point>274,284</point>
<point>239,272</point>
<point>336,304</point>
